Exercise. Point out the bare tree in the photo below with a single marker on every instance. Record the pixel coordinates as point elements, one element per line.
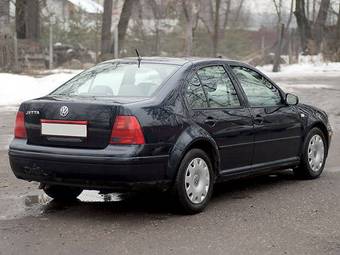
<point>320,23</point>
<point>304,26</point>
<point>156,11</point>
<point>280,31</point>
<point>4,14</point>
<point>27,15</point>
<point>5,56</point>
<point>314,10</point>
<point>106,28</point>
<point>160,10</point>
<point>311,34</point>
<point>187,10</point>
<point>227,14</point>
<point>238,10</point>
<point>215,18</point>
<point>124,22</point>
<point>190,11</point>
<point>338,31</point>
<point>218,16</point>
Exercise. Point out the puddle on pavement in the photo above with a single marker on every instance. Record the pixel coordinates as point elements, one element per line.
<point>39,204</point>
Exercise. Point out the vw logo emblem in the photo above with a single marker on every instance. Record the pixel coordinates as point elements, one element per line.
<point>63,111</point>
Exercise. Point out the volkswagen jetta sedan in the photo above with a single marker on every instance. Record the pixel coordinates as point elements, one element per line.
<point>177,124</point>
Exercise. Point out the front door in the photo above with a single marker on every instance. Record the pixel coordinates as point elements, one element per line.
<point>277,126</point>
<point>217,108</point>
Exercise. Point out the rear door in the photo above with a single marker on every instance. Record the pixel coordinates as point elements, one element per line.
<point>216,106</point>
<point>278,127</point>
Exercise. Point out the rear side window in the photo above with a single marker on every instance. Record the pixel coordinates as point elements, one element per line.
<point>218,87</point>
<point>195,95</point>
<point>118,80</point>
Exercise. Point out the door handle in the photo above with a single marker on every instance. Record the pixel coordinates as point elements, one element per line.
<point>210,121</point>
<point>258,119</point>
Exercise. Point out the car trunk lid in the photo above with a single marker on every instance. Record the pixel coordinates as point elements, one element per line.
<point>66,122</point>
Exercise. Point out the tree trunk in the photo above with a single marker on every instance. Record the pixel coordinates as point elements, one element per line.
<point>28,19</point>
<point>20,23</point>
<point>308,10</point>
<point>311,37</point>
<point>216,27</point>
<point>33,19</point>
<point>227,14</point>
<point>4,15</point>
<point>124,22</point>
<point>157,41</point>
<point>189,38</point>
<point>303,26</point>
<point>238,12</point>
<point>338,33</point>
<point>106,28</point>
<point>188,14</point>
<point>226,17</point>
<point>314,10</point>
<point>277,60</point>
<point>6,59</point>
<point>320,23</point>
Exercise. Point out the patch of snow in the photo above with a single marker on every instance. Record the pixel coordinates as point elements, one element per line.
<point>88,6</point>
<point>310,59</point>
<point>307,86</point>
<point>9,108</point>
<point>327,69</point>
<point>18,88</point>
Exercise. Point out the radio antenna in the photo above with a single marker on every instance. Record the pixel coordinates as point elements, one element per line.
<point>138,57</point>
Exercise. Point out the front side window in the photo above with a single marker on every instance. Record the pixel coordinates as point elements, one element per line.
<point>118,80</point>
<point>259,91</point>
<point>218,87</point>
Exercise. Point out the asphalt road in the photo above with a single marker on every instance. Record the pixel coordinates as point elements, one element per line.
<point>274,214</point>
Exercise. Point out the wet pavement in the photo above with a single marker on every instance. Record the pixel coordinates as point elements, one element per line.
<point>39,204</point>
<point>274,214</point>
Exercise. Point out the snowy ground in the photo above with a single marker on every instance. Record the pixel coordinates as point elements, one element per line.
<point>307,69</point>
<point>17,88</point>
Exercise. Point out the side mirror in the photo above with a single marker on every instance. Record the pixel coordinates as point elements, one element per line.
<point>291,99</point>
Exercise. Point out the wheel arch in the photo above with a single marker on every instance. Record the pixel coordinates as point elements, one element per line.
<point>193,137</point>
<point>320,125</point>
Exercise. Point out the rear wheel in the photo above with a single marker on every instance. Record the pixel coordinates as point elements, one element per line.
<point>62,192</point>
<point>313,156</point>
<point>194,182</point>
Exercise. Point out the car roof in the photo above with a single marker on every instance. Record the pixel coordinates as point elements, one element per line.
<point>176,61</point>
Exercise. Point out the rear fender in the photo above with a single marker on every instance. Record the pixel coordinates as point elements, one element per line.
<point>191,135</point>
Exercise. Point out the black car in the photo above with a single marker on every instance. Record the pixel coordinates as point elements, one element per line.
<point>177,124</point>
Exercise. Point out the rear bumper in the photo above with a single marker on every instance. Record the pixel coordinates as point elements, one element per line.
<point>112,168</point>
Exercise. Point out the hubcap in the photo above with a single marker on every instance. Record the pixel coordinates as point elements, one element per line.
<point>316,153</point>
<point>197,180</point>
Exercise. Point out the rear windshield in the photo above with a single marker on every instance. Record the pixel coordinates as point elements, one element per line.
<point>118,80</point>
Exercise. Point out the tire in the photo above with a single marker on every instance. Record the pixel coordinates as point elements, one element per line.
<point>62,193</point>
<point>313,158</point>
<point>197,180</point>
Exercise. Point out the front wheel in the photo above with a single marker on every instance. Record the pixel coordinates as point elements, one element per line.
<point>63,193</point>
<point>313,156</point>
<point>194,183</point>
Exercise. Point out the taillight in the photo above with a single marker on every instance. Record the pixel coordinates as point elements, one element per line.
<point>127,130</point>
<point>20,130</point>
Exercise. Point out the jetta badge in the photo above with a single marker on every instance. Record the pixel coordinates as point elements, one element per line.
<point>63,111</point>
